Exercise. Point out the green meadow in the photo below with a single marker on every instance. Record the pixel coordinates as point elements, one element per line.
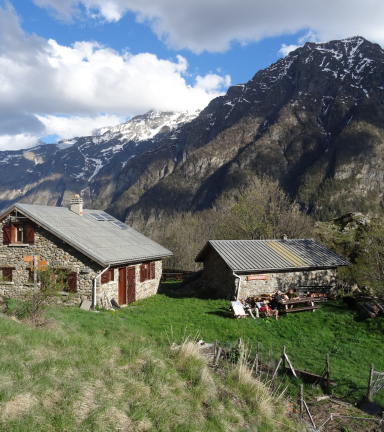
<point>108,371</point>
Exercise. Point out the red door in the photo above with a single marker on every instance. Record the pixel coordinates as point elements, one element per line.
<point>122,286</point>
<point>131,285</point>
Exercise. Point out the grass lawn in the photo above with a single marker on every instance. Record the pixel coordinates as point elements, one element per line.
<point>352,340</point>
<point>111,371</point>
<point>104,372</point>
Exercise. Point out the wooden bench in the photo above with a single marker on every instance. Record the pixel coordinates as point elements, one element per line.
<point>303,309</point>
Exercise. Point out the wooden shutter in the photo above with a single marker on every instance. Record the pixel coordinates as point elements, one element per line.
<point>30,275</point>
<point>29,234</point>
<point>142,273</point>
<point>7,274</point>
<point>105,277</point>
<point>153,270</point>
<point>72,282</point>
<point>7,234</point>
<point>111,275</point>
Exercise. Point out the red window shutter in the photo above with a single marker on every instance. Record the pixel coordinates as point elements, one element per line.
<point>111,275</point>
<point>29,234</point>
<point>7,234</point>
<point>72,282</point>
<point>153,270</point>
<point>7,274</point>
<point>105,277</point>
<point>142,273</point>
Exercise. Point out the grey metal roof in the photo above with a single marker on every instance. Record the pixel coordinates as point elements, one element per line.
<point>102,241</point>
<point>262,255</point>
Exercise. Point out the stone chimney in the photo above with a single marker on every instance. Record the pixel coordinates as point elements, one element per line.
<point>77,205</point>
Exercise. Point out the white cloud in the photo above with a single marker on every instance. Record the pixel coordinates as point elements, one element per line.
<point>17,142</point>
<point>41,80</point>
<point>212,25</point>
<point>76,126</point>
<point>211,82</point>
<point>286,49</point>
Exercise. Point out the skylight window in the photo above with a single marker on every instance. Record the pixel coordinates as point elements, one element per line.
<point>120,225</point>
<point>107,216</point>
<point>97,216</point>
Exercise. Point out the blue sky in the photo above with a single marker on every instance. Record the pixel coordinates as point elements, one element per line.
<point>70,66</point>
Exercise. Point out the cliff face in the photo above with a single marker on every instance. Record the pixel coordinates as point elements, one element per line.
<point>314,120</point>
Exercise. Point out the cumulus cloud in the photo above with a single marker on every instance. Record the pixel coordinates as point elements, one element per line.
<point>18,141</point>
<point>286,49</point>
<point>76,126</point>
<point>41,80</point>
<point>212,25</point>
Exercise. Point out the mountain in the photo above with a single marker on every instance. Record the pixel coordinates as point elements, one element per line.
<point>314,120</point>
<point>49,174</point>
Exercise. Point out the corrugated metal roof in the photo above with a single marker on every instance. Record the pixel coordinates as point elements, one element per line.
<point>287,254</point>
<point>261,255</point>
<point>102,241</point>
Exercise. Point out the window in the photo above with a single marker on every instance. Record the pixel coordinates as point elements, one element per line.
<point>147,271</point>
<point>108,276</point>
<point>7,274</point>
<point>18,233</point>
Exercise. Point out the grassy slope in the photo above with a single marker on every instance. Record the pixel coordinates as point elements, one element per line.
<point>352,340</point>
<point>98,372</point>
<point>114,371</point>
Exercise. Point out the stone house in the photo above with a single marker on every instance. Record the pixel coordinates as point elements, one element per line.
<point>100,257</point>
<point>243,268</point>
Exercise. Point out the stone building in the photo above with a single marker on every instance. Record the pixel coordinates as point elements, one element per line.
<point>100,257</point>
<point>242,268</point>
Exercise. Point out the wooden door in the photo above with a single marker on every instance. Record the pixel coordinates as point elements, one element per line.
<point>131,285</point>
<point>122,286</point>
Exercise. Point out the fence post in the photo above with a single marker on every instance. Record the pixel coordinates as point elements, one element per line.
<point>214,348</point>
<point>256,363</point>
<point>301,402</point>
<point>328,375</point>
<point>217,356</point>
<point>369,395</point>
<point>283,359</point>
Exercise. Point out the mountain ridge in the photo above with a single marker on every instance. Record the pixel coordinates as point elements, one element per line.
<point>313,120</point>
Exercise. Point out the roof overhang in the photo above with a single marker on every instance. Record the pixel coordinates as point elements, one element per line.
<point>290,269</point>
<point>75,246</point>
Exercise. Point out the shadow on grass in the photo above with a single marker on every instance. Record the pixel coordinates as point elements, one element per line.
<point>176,290</point>
<point>220,313</point>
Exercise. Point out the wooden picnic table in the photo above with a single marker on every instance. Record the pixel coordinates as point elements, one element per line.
<point>302,300</point>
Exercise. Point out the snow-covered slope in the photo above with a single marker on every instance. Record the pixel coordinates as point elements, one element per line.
<point>80,159</point>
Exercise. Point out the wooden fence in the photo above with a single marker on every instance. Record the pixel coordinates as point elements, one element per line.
<point>178,275</point>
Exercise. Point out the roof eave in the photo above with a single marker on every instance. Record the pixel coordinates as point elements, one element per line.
<point>65,240</point>
<point>288,268</point>
<point>200,257</point>
<point>157,257</point>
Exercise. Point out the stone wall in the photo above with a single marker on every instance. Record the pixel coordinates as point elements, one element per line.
<point>218,276</point>
<point>57,254</point>
<point>60,255</point>
<point>143,289</point>
<point>283,281</point>
<point>151,286</point>
<point>109,289</point>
